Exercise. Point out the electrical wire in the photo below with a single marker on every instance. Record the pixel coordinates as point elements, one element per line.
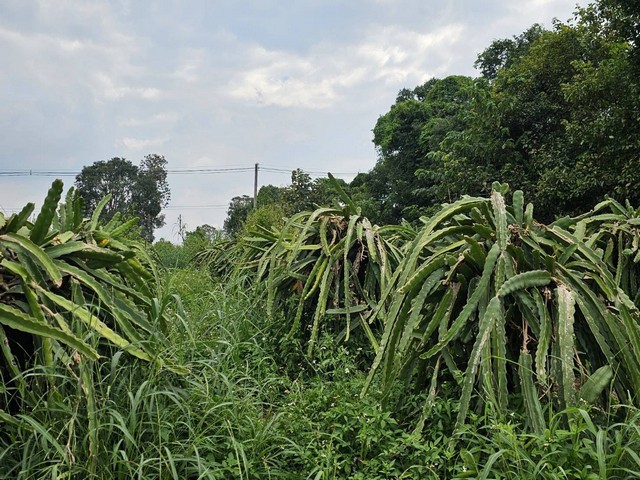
<point>174,171</point>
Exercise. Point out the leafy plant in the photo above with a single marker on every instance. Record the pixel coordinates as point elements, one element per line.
<point>492,299</point>
<point>333,261</point>
<point>71,290</point>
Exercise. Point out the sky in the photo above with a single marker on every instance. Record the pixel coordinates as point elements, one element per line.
<point>223,84</point>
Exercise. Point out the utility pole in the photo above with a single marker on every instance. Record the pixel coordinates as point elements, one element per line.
<point>255,188</point>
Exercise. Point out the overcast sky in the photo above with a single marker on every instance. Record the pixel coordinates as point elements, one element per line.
<point>285,84</point>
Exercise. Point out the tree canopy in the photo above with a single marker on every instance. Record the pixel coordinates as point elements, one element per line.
<point>554,113</point>
<point>136,191</point>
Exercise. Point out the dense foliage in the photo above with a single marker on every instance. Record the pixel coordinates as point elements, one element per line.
<point>204,237</point>
<point>244,398</point>
<point>135,191</point>
<point>554,114</point>
<point>71,292</point>
<point>484,289</point>
<point>274,203</point>
<point>333,260</point>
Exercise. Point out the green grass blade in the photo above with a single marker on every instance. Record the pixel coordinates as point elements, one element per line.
<point>96,324</point>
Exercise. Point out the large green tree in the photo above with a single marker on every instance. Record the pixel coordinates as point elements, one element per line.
<point>136,191</point>
<point>554,113</point>
<point>404,137</point>
<point>569,105</point>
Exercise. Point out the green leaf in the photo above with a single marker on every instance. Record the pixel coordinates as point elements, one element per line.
<point>518,206</point>
<point>566,312</point>
<point>14,318</point>
<point>353,209</point>
<point>521,281</point>
<point>530,394</point>
<point>500,215</point>
<point>471,305</point>
<point>16,222</point>
<point>95,217</point>
<point>544,337</point>
<point>37,253</point>
<point>63,249</point>
<point>6,418</point>
<point>47,212</point>
<point>96,324</point>
<point>486,325</point>
<point>596,383</point>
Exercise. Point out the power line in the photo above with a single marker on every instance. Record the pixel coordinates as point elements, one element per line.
<point>173,171</point>
<point>187,171</point>
<point>309,172</point>
<point>178,171</point>
<point>176,207</point>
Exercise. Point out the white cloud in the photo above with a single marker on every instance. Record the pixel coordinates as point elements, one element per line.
<point>157,119</point>
<point>137,144</point>
<point>191,65</point>
<point>108,88</point>
<point>71,45</point>
<point>86,81</point>
<point>323,76</point>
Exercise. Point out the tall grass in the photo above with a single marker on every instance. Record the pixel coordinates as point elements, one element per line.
<point>215,422</point>
<point>246,412</point>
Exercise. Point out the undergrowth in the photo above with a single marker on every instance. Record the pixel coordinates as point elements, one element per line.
<point>254,407</point>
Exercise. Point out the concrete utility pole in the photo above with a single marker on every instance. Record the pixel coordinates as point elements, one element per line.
<point>255,189</point>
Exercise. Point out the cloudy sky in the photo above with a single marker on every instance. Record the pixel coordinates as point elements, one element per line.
<point>218,84</point>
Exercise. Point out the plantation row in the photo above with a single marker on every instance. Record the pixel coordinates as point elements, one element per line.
<point>480,344</point>
<point>481,294</point>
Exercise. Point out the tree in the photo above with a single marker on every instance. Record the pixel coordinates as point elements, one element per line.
<point>305,194</point>
<point>115,177</point>
<point>554,114</point>
<point>503,53</point>
<point>239,208</point>
<point>275,203</point>
<point>195,242</point>
<point>623,18</point>
<point>152,194</point>
<point>405,137</point>
<point>569,104</point>
<point>299,194</point>
<point>135,191</point>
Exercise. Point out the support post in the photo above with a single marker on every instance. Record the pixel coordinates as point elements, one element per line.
<point>255,188</point>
